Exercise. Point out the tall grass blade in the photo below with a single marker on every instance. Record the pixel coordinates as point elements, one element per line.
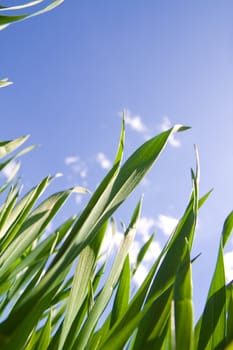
<point>121,300</point>
<point>83,276</point>
<point>212,326</point>
<point>105,295</point>
<point>183,305</point>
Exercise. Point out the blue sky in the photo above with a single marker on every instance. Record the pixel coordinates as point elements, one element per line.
<point>78,67</point>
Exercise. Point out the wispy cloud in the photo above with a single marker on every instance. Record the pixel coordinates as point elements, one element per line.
<point>77,166</point>
<point>71,160</point>
<point>146,226</point>
<point>135,122</point>
<point>103,161</point>
<point>166,223</point>
<point>228,261</point>
<point>166,124</point>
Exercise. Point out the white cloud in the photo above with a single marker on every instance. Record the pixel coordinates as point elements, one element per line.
<point>153,252</point>
<point>103,161</point>
<point>77,166</point>
<point>83,173</point>
<point>228,261</point>
<point>135,122</point>
<point>78,198</point>
<point>166,223</point>
<point>140,274</point>
<point>110,244</point>
<point>166,124</point>
<point>145,227</point>
<point>71,160</point>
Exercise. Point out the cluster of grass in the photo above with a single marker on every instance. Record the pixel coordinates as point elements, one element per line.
<point>55,289</point>
<point>51,291</point>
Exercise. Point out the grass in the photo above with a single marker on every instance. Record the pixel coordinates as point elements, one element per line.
<point>55,290</point>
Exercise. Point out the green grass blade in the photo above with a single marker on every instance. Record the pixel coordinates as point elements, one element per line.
<point>83,276</point>
<point>150,327</point>
<point>6,20</point>
<point>124,327</point>
<point>105,295</point>
<point>111,193</point>
<point>21,211</point>
<point>143,252</point>
<point>123,293</point>
<point>20,7</point>
<point>33,227</point>
<point>6,147</point>
<point>212,325</point>
<point>183,305</point>
<point>44,339</point>
<point>229,326</point>
<point>227,228</point>
<point>154,321</point>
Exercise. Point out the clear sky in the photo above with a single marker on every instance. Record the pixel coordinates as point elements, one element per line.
<point>78,67</point>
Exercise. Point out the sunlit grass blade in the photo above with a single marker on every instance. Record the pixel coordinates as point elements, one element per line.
<point>150,327</point>
<point>20,213</point>
<point>114,189</point>
<point>121,300</point>
<point>8,205</point>
<point>229,321</point>
<point>6,19</point>
<point>105,295</point>
<point>6,147</point>
<point>83,276</point>
<point>142,253</point>
<point>227,228</point>
<point>45,335</point>
<point>124,327</point>
<point>4,82</point>
<point>20,7</point>
<point>95,201</point>
<point>183,305</point>
<point>212,325</point>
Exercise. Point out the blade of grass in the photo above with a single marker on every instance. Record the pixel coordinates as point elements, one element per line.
<point>229,325</point>
<point>142,253</point>
<point>104,297</point>
<point>7,147</point>
<point>83,276</point>
<point>213,321</point>
<point>183,305</point>
<point>123,293</point>
<point>6,20</point>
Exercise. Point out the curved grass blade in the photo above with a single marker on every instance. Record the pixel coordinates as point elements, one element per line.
<point>212,325</point>
<point>20,7</point>
<point>83,276</point>
<point>227,228</point>
<point>148,330</point>
<point>229,325</point>
<point>6,20</point>
<point>7,147</point>
<point>183,305</point>
<point>121,300</point>
<point>142,253</point>
<point>4,82</point>
<point>105,295</point>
